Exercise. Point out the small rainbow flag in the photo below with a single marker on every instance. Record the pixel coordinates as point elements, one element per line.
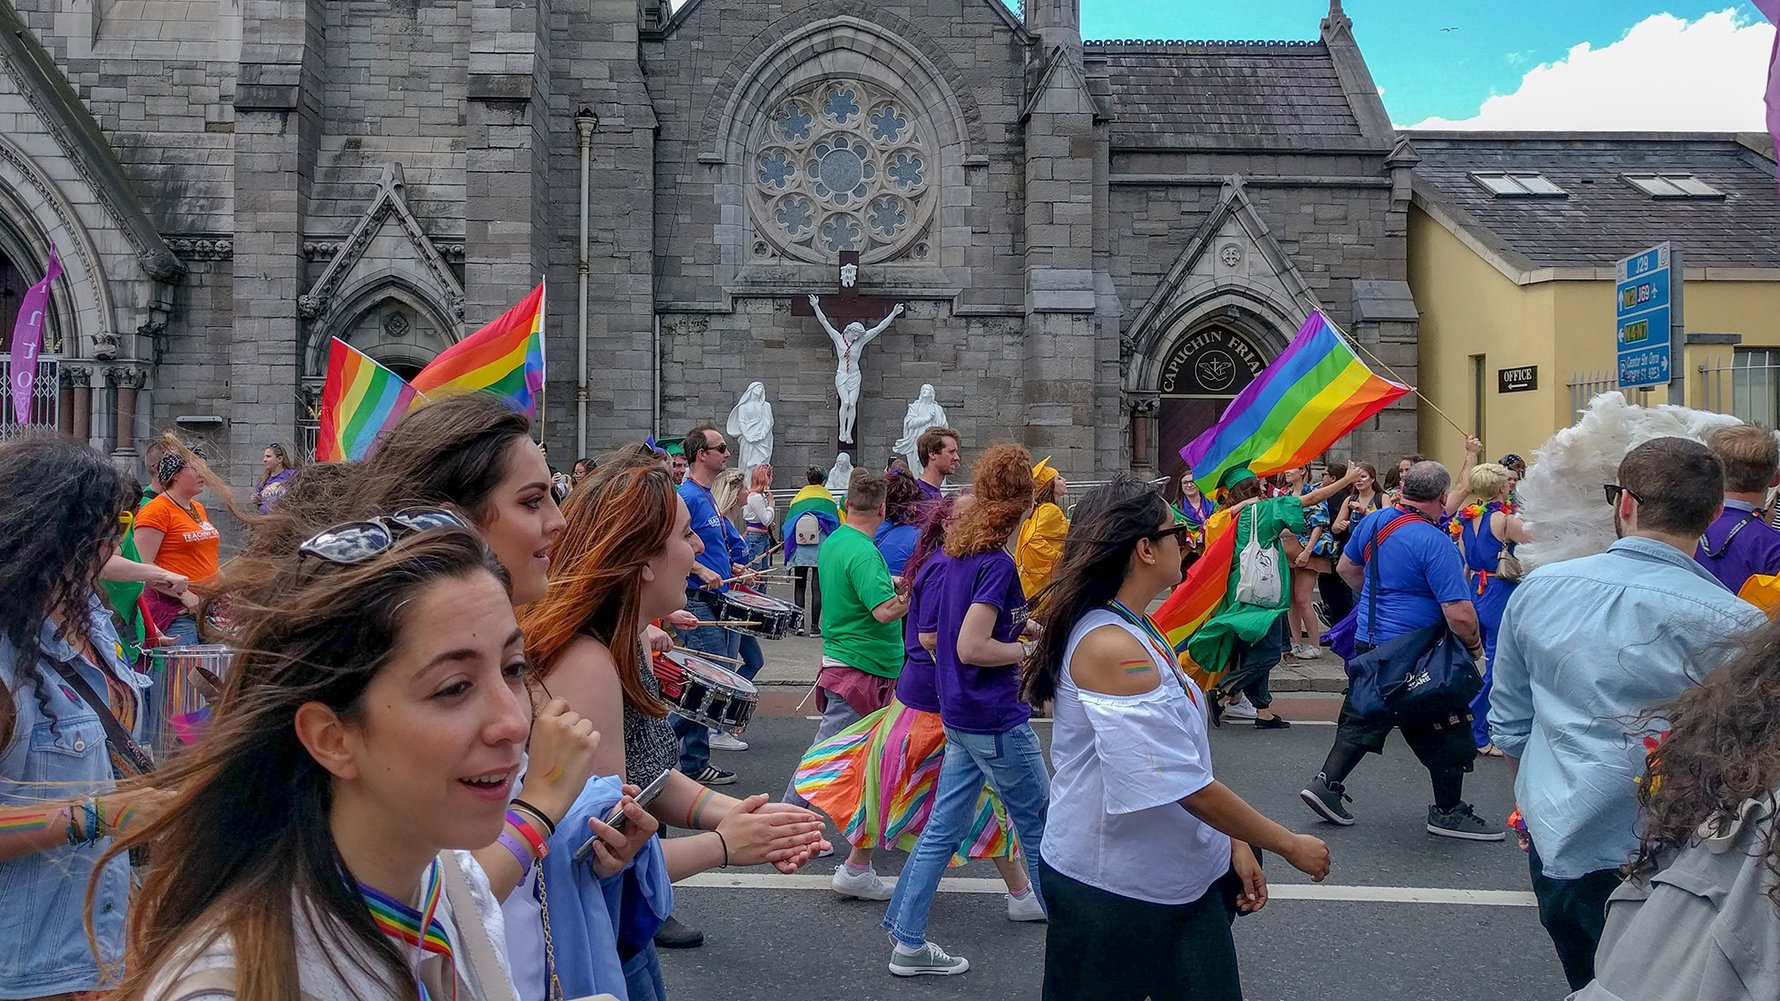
<point>505,358</point>
<point>1311,395</point>
<point>361,400</point>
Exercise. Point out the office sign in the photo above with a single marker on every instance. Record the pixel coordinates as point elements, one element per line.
<point>1647,310</point>
<point>1517,380</point>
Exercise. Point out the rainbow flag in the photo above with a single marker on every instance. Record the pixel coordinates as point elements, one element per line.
<point>1202,593</point>
<point>1311,395</point>
<point>361,400</point>
<point>505,358</point>
<point>813,499</point>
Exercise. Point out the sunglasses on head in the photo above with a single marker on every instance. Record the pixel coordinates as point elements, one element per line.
<point>357,541</point>
<point>1613,490</point>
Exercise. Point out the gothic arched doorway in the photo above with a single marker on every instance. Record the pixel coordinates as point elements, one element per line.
<point>397,329</point>
<point>1197,379</point>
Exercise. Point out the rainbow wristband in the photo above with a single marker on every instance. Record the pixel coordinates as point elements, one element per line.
<point>533,839</point>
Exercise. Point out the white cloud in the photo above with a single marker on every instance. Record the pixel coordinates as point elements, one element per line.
<point>1667,74</point>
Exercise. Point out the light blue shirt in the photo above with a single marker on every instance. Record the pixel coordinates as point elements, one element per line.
<point>1588,646</point>
<point>58,750</point>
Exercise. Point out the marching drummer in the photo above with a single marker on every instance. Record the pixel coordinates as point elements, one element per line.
<point>861,643</point>
<point>724,560</point>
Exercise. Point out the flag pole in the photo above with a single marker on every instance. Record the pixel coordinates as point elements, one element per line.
<point>543,357</point>
<point>1357,346</point>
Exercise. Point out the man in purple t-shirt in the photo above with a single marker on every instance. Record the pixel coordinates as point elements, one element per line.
<point>1739,544</point>
<point>937,448</point>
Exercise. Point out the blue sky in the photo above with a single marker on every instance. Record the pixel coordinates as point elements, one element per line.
<point>1426,71</point>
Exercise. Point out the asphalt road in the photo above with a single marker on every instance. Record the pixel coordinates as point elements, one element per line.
<point>1400,916</point>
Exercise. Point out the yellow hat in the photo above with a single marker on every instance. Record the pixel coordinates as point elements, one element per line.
<point>1043,473</point>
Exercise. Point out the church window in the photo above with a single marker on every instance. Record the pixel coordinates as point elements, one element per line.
<point>841,165</point>
<point>1518,184</point>
<point>1673,186</point>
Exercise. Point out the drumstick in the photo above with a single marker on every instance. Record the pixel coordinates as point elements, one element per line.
<point>708,656</point>
<point>764,555</point>
<point>730,623</point>
<point>757,575</point>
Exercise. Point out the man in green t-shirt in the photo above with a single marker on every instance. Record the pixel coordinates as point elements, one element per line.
<point>862,650</point>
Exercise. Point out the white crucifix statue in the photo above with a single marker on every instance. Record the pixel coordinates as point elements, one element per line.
<point>852,310</point>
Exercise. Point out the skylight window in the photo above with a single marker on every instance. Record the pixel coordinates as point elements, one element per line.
<point>1518,184</point>
<point>1673,186</point>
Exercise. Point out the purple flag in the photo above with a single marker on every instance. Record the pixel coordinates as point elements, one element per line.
<point>27,339</point>
<point>1772,9</point>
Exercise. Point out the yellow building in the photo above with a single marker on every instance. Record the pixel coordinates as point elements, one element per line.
<point>1513,245</point>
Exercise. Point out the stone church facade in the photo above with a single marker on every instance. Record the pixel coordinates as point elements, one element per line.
<point>1097,243</point>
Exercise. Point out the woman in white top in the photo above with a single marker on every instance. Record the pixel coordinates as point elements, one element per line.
<point>758,516</point>
<point>1146,857</point>
<point>368,735</point>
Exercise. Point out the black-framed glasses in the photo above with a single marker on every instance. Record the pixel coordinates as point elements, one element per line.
<point>1613,490</point>
<point>1179,531</point>
<point>357,541</point>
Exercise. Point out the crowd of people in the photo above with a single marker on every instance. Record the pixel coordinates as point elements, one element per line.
<point>423,774</point>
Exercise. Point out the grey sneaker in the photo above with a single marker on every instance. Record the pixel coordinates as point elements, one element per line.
<point>1462,823</point>
<point>1326,797</point>
<point>931,961</point>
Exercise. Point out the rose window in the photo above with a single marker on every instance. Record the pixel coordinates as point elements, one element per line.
<point>841,165</point>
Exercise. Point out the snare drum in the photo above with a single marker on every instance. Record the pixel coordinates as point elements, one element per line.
<point>705,692</point>
<point>188,681</point>
<point>778,619</point>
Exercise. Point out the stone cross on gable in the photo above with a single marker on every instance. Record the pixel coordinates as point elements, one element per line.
<point>851,321</point>
<point>846,305</point>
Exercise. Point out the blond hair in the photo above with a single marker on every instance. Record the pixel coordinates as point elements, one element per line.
<point>1749,455</point>
<point>1485,481</point>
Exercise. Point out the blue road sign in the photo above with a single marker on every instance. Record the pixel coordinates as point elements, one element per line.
<point>1642,317</point>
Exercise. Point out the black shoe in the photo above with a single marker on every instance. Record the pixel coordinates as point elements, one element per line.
<point>1461,822</point>
<point>714,776</point>
<point>674,935</point>
<point>1276,723</point>
<point>1325,798</point>
<point>1216,701</point>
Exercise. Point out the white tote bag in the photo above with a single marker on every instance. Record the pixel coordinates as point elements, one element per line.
<point>1257,573</point>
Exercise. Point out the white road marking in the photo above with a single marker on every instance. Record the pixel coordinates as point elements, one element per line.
<point>1278,891</point>
<point>1046,721</point>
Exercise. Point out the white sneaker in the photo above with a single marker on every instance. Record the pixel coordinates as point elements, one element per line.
<point>1305,652</point>
<point>866,886</point>
<point>1242,708</point>
<point>1025,908</point>
<point>721,741</point>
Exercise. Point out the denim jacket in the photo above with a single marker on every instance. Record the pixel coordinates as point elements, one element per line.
<point>55,755</point>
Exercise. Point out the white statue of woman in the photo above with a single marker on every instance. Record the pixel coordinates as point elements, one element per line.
<point>924,413</point>
<point>849,344</point>
<point>751,425</point>
<point>840,474</point>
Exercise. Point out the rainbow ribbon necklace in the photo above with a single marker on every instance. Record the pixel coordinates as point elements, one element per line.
<point>405,924</point>
<point>1157,639</point>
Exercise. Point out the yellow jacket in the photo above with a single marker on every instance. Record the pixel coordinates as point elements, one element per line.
<point>1039,547</point>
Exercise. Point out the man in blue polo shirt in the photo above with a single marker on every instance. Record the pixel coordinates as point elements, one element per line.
<point>725,556</point>
<point>1420,581</point>
<point>1739,544</point>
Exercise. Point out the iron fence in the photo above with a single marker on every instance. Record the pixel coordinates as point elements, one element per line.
<point>1748,388</point>
<point>44,413</point>
<point>1585,386</point>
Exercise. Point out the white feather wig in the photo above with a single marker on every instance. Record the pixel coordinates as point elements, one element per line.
<point>1561,500</point>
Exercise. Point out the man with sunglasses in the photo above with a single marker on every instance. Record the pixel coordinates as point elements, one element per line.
<point>725,556</point>
<point>1587,648</point>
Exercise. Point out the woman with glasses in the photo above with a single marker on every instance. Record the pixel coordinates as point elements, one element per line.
<point>383,691</point>
<point>277,464</point>
<point>1147,857</point>
<point>621,563</point>
<point>978,641</point>
<point>59,502</point>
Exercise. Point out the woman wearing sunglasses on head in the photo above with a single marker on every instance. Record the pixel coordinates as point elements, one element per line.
<point>1146,855</point>
<point>370,731</point>
<point>59,501</point>
<point>622,562</point>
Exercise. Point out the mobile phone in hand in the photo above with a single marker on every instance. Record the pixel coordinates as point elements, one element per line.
<point>617,817</point>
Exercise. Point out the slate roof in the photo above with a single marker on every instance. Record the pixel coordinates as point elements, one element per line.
<point>1604,217</point>
<point>1198,94</point>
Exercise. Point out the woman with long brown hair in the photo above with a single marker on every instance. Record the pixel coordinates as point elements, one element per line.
<point>621,562</point>
<point>978,644</point>
<point>369,731</point>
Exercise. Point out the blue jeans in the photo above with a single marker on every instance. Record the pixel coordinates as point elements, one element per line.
<point>1014,767</point>
<point>642,975</point>
<point>183,630</point>
<point>757,543</point>
<point>695,740</point>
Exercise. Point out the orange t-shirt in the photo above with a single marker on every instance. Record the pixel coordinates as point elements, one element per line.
<point>190,546</point>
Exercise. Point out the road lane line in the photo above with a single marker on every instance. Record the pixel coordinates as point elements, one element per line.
<point>1278,891</point>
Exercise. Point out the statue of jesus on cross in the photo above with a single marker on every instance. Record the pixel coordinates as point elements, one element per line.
<point>851,309</point>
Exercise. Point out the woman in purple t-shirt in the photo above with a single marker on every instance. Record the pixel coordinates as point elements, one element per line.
<point>978,645</point>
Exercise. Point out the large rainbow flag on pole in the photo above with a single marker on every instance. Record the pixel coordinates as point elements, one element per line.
<point>1309,397</point>
<point>361,400</point>
<point>505,358</point>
